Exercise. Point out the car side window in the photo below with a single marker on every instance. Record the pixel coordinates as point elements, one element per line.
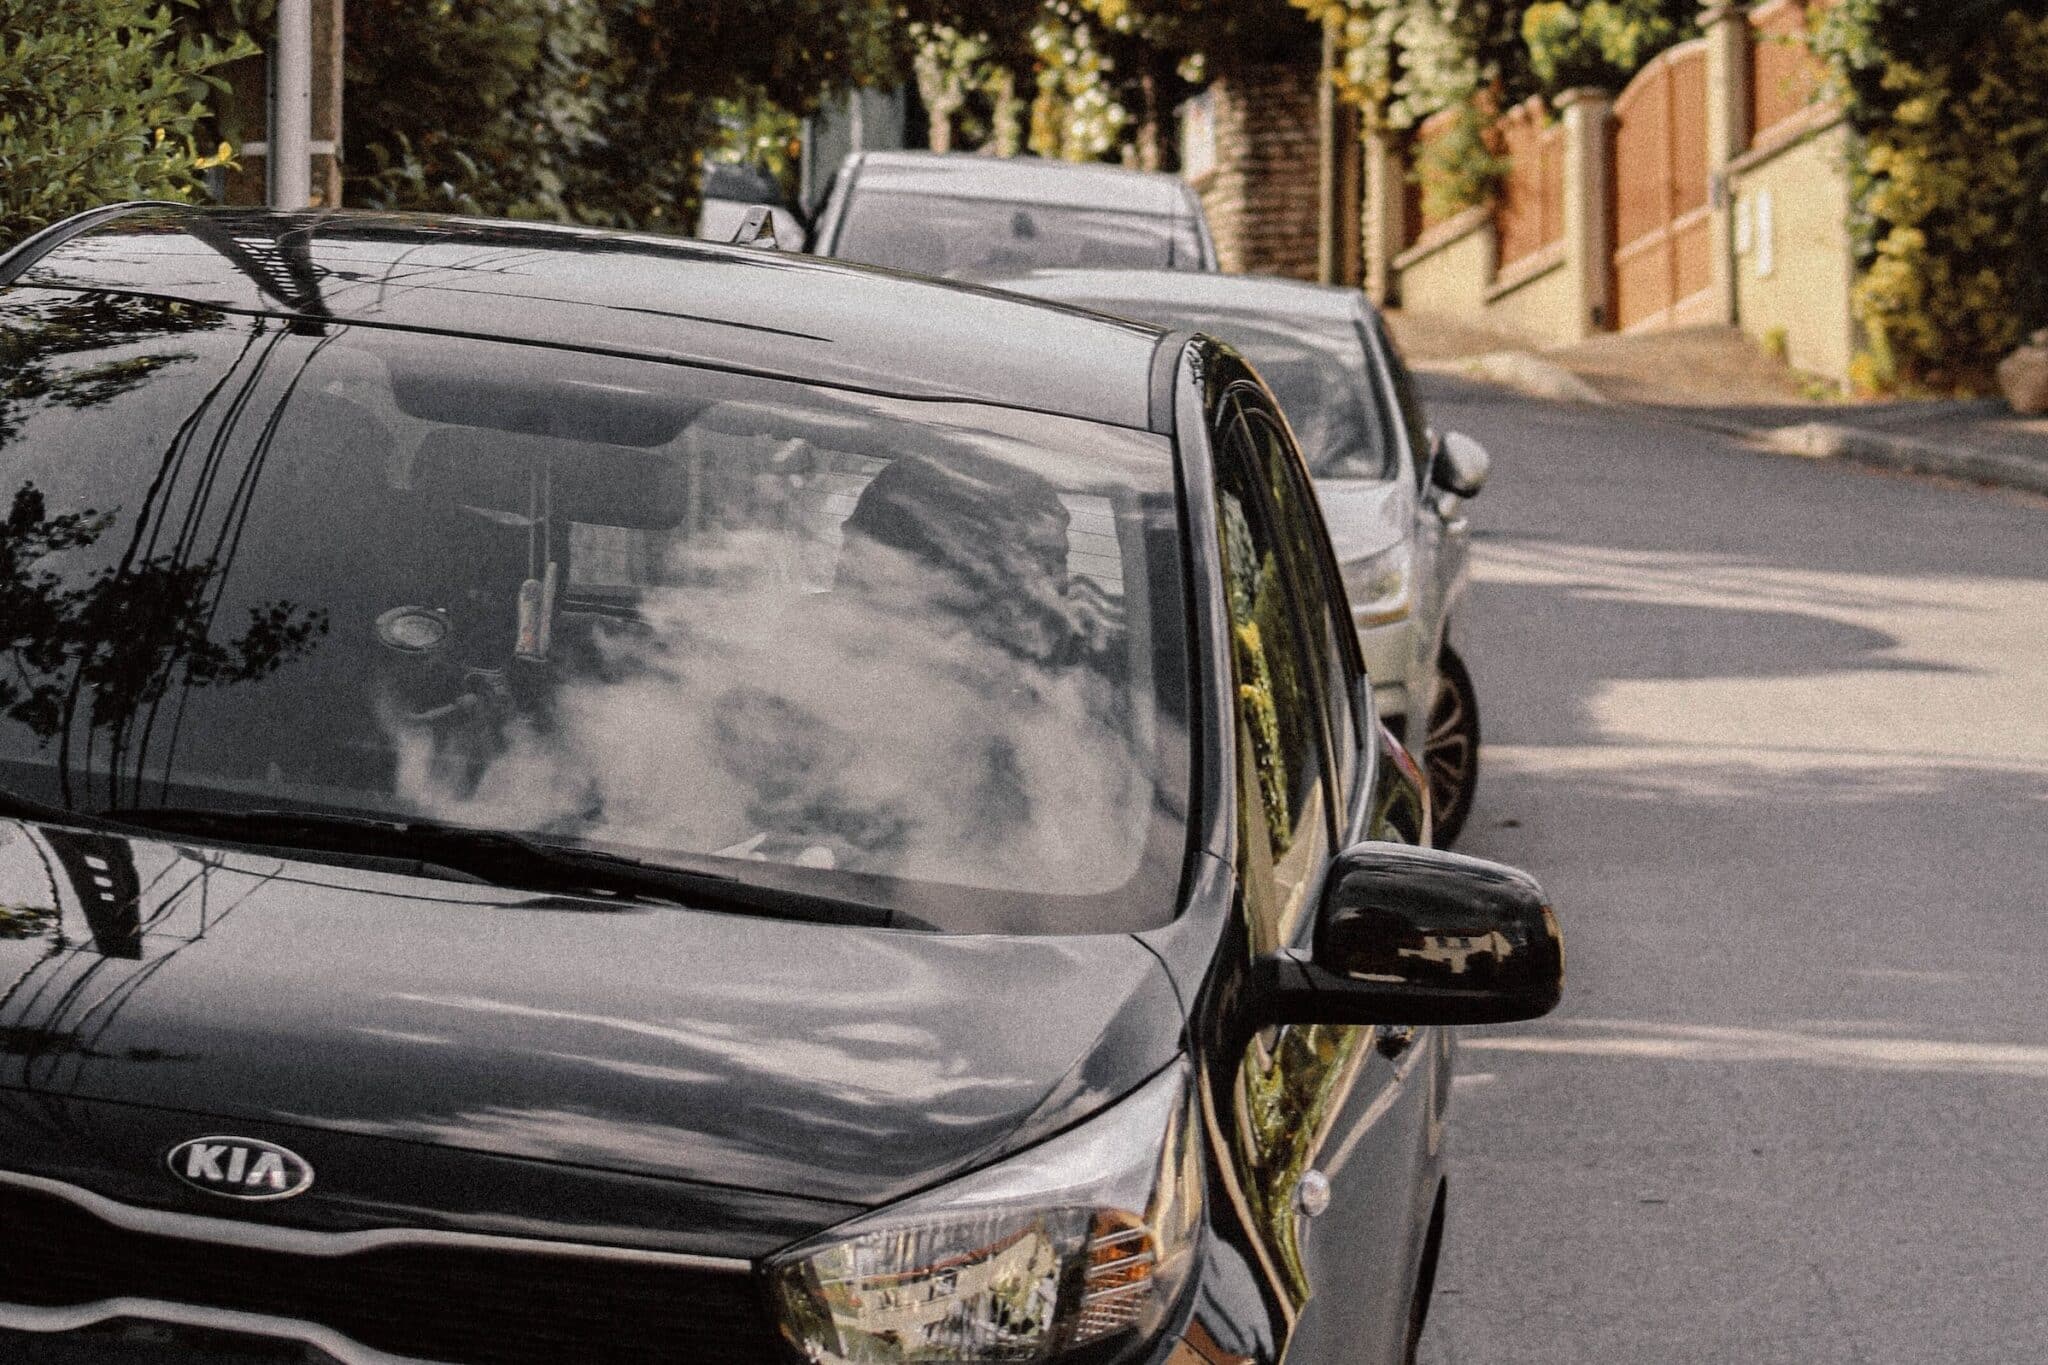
<point>1412,418</point>
<point>1286,827</point>
<point>1324,612</point>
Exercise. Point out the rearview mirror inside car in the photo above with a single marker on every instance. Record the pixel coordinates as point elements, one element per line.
<point>1418,936</point>
<point>1460,464</point>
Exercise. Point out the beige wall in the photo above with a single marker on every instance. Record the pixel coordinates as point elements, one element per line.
<point>1792,264</point>
<point>1449,273</point>
<point>1542,309</point>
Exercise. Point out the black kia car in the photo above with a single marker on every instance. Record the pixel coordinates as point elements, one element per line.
<point>574,797</point>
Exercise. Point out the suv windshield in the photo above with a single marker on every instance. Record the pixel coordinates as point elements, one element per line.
<point>920,656</point>
<point>938,235</point>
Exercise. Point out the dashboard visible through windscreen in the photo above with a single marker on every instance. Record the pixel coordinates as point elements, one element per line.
<point>927,655</point>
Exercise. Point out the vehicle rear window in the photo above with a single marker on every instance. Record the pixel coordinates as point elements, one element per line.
<point>1320,373</point>
<point>937,235</point>
<point>927,654</point>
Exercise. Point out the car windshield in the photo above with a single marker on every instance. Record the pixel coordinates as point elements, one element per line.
<point>916,655</point>
<point>939,235</point>
<point>1317,368</point>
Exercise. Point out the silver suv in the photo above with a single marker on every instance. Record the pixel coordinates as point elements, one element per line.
<point>961,215</point>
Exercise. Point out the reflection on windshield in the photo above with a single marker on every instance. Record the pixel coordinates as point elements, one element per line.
<point>94,656</point>
<point>933,235</point>
<point>924,652</point>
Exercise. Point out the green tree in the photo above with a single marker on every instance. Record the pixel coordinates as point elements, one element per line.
<point>1950,103</point>
<point>596,111</point>
<point>100,100</point>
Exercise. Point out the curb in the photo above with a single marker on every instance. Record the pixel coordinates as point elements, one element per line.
<point>1833,441</point>
<point>1524,371</point>
<point>1529,373</point>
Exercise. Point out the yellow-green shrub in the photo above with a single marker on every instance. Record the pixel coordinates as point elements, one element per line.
<point>100,100</point>
<point>1952,112</point>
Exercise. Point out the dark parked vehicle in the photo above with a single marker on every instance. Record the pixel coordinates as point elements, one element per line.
<point>959,215</point>
<point>572,797</point>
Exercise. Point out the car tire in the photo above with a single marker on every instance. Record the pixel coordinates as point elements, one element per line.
<point>1450,747</point>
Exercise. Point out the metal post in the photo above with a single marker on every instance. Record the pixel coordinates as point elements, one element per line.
<point>291,107</point>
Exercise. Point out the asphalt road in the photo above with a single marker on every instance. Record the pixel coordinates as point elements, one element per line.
<point>1774,735</point>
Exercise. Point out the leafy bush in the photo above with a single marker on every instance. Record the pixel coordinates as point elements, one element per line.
<point>1602,43</point>
<point>1951,105</point>
<point>100,101</point>
<point>1461,166</point>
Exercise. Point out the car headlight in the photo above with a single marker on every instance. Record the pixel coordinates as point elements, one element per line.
<point>1378,586</point>
<point>1082,1243</point>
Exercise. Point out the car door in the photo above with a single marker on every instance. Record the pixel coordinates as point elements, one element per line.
<point>1331,1137</point>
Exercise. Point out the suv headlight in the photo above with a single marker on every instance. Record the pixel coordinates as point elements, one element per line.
<point>1378,585</point>
<point>1084,1241</point>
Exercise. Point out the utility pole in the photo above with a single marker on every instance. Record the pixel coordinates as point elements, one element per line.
<point>290,145</point>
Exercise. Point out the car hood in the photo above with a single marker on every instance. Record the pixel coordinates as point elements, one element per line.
<point>1366,516</point>
<point>823,1062</point>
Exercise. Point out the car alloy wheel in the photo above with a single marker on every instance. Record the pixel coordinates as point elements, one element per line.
<point>1450,752</point>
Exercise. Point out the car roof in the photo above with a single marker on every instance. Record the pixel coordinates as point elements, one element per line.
<point>1165,292</point>
<point>660,298</point>
<point>1020,179</point>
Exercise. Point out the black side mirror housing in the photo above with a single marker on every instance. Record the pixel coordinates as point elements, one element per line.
<point>1410,935</point>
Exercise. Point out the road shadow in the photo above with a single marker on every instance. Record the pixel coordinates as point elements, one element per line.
<point>1587,638</point>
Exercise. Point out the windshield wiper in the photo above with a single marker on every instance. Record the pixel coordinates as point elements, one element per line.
<point>502,858</point>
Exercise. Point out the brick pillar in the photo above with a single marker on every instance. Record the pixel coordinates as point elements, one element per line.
<point>1728,133</point>
<point>1589,206</point>
<point>1386,213</point>
<point>1261,195</point>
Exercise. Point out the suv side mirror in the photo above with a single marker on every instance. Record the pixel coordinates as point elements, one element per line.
<point>1417,936</point>
<point>1459,464</point>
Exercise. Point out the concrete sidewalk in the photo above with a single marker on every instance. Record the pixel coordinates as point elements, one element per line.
<point>1715,378</point>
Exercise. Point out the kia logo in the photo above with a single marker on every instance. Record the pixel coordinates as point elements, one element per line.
<point>240,1168</point>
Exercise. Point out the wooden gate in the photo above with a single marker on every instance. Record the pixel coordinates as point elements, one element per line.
<point>1663,268</point>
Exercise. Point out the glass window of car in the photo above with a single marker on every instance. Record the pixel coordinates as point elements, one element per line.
<point>1277,688</point>
<point>927,656</point>
<point>1324,613</point>
<point>1413,421</point>
<point>1319,371</point>
<point>941,235</point>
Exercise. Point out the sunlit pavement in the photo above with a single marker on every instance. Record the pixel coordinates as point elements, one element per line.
<point>1774,735</point>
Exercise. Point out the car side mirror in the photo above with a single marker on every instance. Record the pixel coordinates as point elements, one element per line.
<point>1459,464</point>
<point>1410,935</point>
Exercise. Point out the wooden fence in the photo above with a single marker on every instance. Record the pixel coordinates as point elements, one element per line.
<point>1785,78</point>
<point>1661,234</point>
<point>1630,212</point>
<point>1528,212</point>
